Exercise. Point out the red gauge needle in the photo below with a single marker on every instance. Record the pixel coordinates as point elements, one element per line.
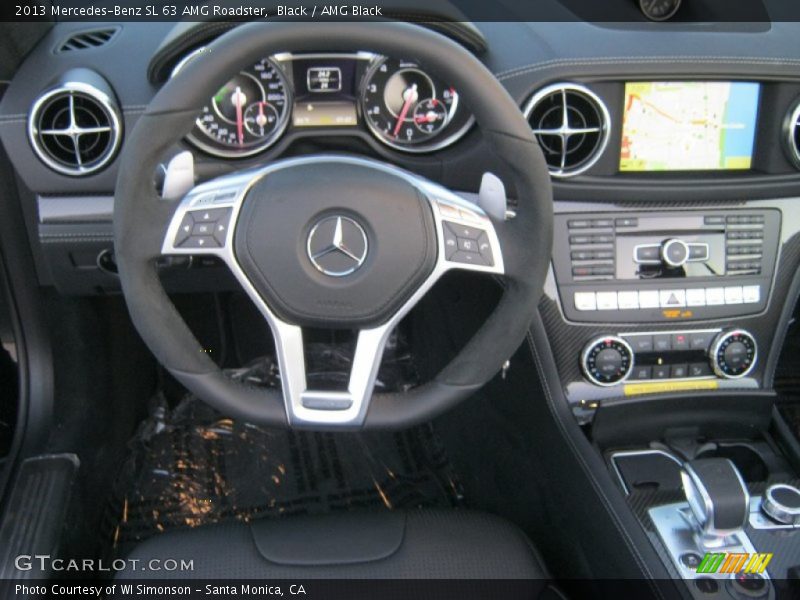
<point>237,95</point>
<point>410,96</point>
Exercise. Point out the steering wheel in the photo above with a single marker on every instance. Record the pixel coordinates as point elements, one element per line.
<point>332,241</point>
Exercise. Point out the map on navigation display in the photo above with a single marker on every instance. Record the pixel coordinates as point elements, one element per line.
<point>688,126</point>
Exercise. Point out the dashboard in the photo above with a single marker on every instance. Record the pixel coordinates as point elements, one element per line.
<point>674,153</point>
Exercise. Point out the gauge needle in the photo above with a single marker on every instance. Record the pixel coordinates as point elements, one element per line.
<point>239,124</point>
<point>410,96</point>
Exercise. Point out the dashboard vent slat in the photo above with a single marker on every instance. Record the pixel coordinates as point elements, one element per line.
<point>75,129</point>
<point>792,135</point>
<point>571,124</point>
<point>86,40</point>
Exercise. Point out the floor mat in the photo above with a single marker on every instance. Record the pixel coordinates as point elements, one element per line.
<point>190,467</point>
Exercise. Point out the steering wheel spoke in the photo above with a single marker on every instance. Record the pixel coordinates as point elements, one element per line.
<point>202,224</point>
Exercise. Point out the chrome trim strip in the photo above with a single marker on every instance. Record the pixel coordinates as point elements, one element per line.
<point>370,344</point>
<point>72,209</point>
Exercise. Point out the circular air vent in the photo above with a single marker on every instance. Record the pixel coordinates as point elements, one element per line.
<point>792,136</point>
<point>75,129</point>
<point>571,124</point>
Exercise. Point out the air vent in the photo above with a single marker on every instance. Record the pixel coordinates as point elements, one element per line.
<point>86,40</point>
<point>571,124</point>
<point>792,135</point>
<point>75,129</point>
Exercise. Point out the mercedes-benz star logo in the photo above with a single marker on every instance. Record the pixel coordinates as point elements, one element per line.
<point>337,246</point>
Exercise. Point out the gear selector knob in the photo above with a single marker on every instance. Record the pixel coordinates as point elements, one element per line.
<point>717,496</point>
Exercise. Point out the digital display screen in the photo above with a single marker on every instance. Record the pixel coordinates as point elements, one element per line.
<point>325,114</point>
<point>688,126</point>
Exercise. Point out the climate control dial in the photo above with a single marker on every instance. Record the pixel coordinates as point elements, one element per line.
<point>607,360</point>
<point>733,354</point>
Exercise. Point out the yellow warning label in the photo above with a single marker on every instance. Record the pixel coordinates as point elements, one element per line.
<point>659,387</point>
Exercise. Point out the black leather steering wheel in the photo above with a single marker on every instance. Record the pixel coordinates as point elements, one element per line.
<point>332,241</point>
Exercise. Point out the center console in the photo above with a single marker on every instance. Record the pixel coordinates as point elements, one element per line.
<point>664,326</point>
<point>644,302</point>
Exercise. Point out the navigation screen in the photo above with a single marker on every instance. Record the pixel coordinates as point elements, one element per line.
<point>688,126</point>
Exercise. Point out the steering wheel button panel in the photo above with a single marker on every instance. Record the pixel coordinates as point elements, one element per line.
<point>465,240</point>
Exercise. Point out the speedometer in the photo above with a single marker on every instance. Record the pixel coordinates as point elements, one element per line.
<point>246,115</point>
<point>408,109</point>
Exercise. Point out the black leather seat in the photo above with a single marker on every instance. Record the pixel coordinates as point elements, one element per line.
<point>425,544</point>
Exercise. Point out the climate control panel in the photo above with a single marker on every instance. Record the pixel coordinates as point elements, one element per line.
<point>684,355</point>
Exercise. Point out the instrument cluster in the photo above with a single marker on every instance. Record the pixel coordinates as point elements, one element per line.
<point>395,100</point>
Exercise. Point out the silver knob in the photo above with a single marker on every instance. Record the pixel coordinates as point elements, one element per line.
<point>781,503</point>
<point>675,253</point>
<point>733,354</point>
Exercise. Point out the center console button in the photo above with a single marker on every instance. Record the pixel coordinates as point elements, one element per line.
<point>679,371</point>
<point>672,298</point>
<point>606,300</point>
<point>662,342</point>
<point>640,343</point>
<point>628,300</point>
<point>715,296</point>
<point>700,340</point>
<point>675,253</point>
<point>649,299</point>
<point>642,373</point>
<point>661,372</point>
<point>680,341</point>
<point>696,297</point>
<point>647,254</point>
<point>699,370</point>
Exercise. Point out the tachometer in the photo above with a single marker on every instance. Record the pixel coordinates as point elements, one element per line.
<point>246,115</point>
<point>407,109</point>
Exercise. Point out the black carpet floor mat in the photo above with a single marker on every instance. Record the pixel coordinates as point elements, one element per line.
<point>190,467</point>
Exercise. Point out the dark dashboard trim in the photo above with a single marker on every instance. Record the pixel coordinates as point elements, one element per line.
<point>186,36</point>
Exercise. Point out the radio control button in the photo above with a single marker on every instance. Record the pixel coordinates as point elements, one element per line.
<point>649,299</point>
<point>698,252</point>
<point>585,301</point>
<point>672,298</point>
<point>579,224</point>
<point>715,296</point>
<point>607,301</point>
<point>733,295</point>
<point>647,254</point>
<point>602,223</point>
<point>627,222</point>
<point>580,239</point>
<point>714,220</point>
<point>751,294</point>
<point>675,253</point>
<point>628,300</point>
<point>696,297</point>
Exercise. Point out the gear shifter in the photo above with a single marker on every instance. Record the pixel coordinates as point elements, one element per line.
<point>718,499</point>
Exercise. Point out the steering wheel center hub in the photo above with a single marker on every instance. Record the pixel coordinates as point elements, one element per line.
<point>335,244</point>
